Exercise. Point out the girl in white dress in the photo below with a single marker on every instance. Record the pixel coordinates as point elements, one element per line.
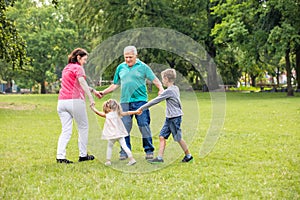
<point>114,129</point>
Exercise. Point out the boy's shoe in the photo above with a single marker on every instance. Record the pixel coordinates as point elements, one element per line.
<point>149,156</point>
<point>107,163</point>
<point>132,162</point>
<point>186,159</point>
<point>156,161</point>
<point>66,161</point>
<point>87,157</point>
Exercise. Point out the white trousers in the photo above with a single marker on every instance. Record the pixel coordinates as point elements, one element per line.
<point>111,143</point>
<point>68,110</point>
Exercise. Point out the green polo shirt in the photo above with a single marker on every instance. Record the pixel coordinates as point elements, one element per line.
<point>132,81</point>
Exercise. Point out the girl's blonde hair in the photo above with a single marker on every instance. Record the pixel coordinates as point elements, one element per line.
<point>112,105</point>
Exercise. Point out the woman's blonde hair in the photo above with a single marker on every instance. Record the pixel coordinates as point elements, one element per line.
<point>112,105</point>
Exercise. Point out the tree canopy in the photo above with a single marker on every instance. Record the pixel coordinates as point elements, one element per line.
<point>243,37</point>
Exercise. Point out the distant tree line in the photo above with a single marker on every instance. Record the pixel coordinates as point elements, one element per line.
<point>243,37</point>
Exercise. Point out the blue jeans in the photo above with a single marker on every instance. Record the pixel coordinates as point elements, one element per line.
<point>172,125</point>
<point>143,122</point>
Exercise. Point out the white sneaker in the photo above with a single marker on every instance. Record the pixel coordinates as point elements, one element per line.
<point>132,162</point>
<point>107,163</point>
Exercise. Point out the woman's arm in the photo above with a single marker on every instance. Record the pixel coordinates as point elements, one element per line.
<point>95,92</point>
<point>86,90</point>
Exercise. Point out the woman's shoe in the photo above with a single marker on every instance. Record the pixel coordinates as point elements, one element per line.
<point>86,158</point>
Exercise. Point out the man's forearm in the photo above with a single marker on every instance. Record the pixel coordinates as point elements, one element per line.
<point>111,88</point>
<point>158,84</point>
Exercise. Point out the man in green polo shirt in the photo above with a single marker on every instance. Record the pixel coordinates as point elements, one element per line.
<point>131,76</point>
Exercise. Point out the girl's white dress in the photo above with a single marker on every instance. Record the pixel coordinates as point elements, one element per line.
<point>113,127</point>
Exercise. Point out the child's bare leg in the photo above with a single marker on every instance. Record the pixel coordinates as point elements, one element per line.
<point>184,147</point>
<point>188,157</point>
<point>162,146</point>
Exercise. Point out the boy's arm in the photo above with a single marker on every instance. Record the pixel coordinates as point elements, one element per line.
<point>101,114</point>
<point>163,96</point>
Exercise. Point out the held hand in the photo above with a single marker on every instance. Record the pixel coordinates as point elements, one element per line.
<point>160,91</point>
<point>98,94</point>
<point>92,103</point>
<point>139,112</point>
<point>92,107</point>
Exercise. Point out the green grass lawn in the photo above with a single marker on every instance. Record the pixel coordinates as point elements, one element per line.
<point>257,155</point>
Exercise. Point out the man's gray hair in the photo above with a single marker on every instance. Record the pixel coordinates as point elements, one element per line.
<point>130,49</point>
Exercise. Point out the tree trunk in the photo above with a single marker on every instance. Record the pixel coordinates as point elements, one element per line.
<point>290,91</point>
<point>43,87</point>
<point>298,67</point>
<point>277,76</point>
<point>212,78</point>
<point>253,80</point>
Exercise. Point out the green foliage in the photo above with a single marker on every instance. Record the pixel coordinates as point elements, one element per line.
<point>12,45</point>
<point>246,88</point>
<point>50,36</point>
<point>241,36</point>
<point>108,18</point>
<point>256,157</point>
<point>260,38</point>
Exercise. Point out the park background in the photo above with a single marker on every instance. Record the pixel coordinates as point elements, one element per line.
<point>254,44</point>
<point>256,51</point>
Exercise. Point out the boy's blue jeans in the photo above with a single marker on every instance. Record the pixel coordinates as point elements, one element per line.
<point>143,122</point>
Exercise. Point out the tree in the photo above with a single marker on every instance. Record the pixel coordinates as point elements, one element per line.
<point>269,31</point>
<point>240,34</point>
<point>50,36</point>
<point>284,38</point>
<point>108,18</point>
<point>12,46</point>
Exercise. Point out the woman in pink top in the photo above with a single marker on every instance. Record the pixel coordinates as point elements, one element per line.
<point>71,105</point>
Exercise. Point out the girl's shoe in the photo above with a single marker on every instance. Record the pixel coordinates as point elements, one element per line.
<point>132,162</point>
<point>107,163</point>
<point>66,161</point>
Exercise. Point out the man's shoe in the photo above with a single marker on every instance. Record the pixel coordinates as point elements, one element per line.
<point>186,159</point>
<point>86,158</point>
<point>156,161</point>
<point>64,161</point>
<point>149,156</point>
<point>123,157</point>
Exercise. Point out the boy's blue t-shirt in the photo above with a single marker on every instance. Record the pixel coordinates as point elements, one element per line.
<point>133,81</point>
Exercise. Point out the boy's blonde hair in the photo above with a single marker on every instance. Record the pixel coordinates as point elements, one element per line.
<point>170,74</point>
<point>112,105</point>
